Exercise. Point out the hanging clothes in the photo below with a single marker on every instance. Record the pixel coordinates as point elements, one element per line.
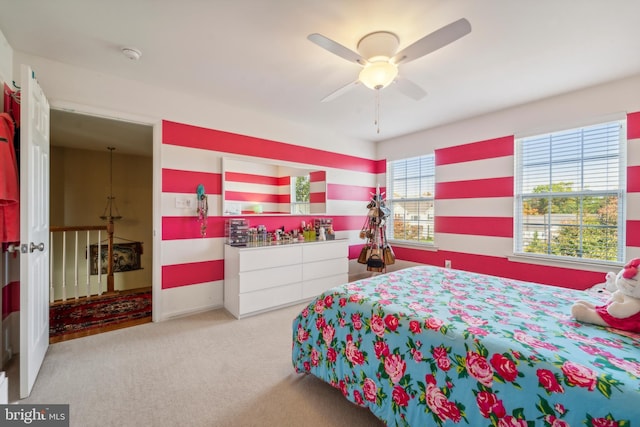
<point>9,185</point>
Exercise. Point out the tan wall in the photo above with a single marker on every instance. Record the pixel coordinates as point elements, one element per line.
<point>79,191</point>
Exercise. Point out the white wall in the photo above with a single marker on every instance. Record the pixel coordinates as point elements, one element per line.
<point>95,93</point>
<point>559,112</point>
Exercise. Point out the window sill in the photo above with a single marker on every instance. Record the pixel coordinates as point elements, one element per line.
<point>591,265</point>
<point>416,245</point>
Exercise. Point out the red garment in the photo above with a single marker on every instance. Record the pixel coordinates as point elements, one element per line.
<point>631,323</point>
<point>9,187</point>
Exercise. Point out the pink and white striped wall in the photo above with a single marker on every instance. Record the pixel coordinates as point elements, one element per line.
<point>474,212</point>
<point>192,267</point>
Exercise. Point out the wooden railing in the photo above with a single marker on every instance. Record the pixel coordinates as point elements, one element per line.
<point>71,252</point>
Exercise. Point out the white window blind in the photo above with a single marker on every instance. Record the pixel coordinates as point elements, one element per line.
<point>410,197</point>
<point>570,188</point>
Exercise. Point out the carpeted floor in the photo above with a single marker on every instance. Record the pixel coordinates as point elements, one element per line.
<point>204,370</point>
<point>87,314</point>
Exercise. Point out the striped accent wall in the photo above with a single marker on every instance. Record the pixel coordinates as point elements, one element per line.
<point>633,185</point>
<point>193,155</point>
<point>474,191</point>
<point>474,212</point>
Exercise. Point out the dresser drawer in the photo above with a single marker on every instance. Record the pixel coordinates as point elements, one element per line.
<point>313,288</point>
<point>270,298</point>
<point>268,257</point>
<point>331,267</point>
<point>251,281</point>
<point>325,250</point>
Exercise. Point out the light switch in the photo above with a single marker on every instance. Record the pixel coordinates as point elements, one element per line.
<point>183,203</point>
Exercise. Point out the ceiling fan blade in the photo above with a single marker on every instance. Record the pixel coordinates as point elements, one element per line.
<point>409,88</point>
<point>434,41</point>
<point>336,48</point>
<point>339,92</point>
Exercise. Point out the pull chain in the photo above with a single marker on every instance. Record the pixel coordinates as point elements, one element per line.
<point>376,121</point>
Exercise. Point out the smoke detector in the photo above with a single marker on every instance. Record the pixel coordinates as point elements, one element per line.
<point>132,53</point>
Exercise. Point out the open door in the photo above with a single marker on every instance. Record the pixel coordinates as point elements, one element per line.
<point>34,229</point>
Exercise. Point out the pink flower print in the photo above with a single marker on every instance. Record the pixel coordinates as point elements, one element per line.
<point>433,324</point>
<point>603,422</point>
<point>391,322</point>
<point>504,367</point>
<point>353,354</point>
<point>319,307</point>
<point>548,381</point>
<point>356,321</point>
<point>320,322</point>
<point>477,331</point>
<point>631,367</point>
<point>580,375</point>
<point>511,421</point>
<point>302,334</point>
<point>332,355</point>
<point>438,403</point>
<point>395,367</point>
<point>560,409</point>
<point>370,389</point>
<point>315,357</point>
<point>381,348</point>
<point>533,342</point>
<point>473,321</point>
<point>553,421</point>
<point>442,358</point>
<point>414,327</point>
<point>377,325</point>
<point>328,332</point>
<point>400,396</point>
<point>488,403</point>
<point>479,368</point>
<point>328,301</point>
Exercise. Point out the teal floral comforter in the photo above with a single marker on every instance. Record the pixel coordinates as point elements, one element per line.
<point>427,346</point>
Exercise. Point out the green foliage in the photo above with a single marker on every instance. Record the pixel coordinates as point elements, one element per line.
<point>586,226</point>
<point>303,187</point>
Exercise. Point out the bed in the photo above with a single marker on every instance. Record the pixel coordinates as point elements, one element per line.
<point>427,346</point>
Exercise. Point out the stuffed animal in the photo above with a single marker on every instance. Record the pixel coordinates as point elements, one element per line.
<point>622,310</point>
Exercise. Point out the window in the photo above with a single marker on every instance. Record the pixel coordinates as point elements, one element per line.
<point>570,188</point>
<point>300,187</point>
<point>410,191</point>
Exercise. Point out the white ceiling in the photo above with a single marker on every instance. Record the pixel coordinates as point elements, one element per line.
<point>255,53</point>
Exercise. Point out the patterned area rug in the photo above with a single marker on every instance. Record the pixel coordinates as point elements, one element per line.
<point>94,313</point>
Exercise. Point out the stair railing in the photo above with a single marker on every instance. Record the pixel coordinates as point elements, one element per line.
<point>84,252</point>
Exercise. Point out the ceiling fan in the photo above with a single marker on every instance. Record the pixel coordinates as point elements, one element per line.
<point>377,54</point>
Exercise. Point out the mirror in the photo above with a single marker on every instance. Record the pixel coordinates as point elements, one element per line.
<point>253,187</point>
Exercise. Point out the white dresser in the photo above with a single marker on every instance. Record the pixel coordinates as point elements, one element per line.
<point>261,278</point>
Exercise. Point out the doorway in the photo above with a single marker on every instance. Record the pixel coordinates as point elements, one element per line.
<point>102,167</point>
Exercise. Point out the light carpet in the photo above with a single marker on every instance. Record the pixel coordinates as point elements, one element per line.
<point>207,369</point>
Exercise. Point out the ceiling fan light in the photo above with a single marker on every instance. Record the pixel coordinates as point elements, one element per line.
<point>378,75</point>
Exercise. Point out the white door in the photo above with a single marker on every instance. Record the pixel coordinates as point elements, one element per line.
<point>34,229</point>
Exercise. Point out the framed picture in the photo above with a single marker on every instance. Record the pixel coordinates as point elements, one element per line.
<point>126,257</point>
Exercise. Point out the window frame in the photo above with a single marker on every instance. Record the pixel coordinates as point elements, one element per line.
<point>294,204</point>
<point>620,194</point>
<point>390,201</point>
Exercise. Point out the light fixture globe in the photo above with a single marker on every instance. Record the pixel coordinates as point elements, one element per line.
<point>378,75</point>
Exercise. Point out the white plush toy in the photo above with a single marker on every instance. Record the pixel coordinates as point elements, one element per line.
<point>622,311</point>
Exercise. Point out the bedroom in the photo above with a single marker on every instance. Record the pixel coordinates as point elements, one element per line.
<point>84,90</point>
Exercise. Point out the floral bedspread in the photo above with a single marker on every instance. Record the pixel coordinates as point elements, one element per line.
<point>427,346</point>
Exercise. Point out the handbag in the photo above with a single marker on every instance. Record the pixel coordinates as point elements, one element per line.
<point>362,258</point>
<point>388,256</point>
<point>375,261</point>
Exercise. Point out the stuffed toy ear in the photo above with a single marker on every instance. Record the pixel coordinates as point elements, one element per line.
<point>631,269</point>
